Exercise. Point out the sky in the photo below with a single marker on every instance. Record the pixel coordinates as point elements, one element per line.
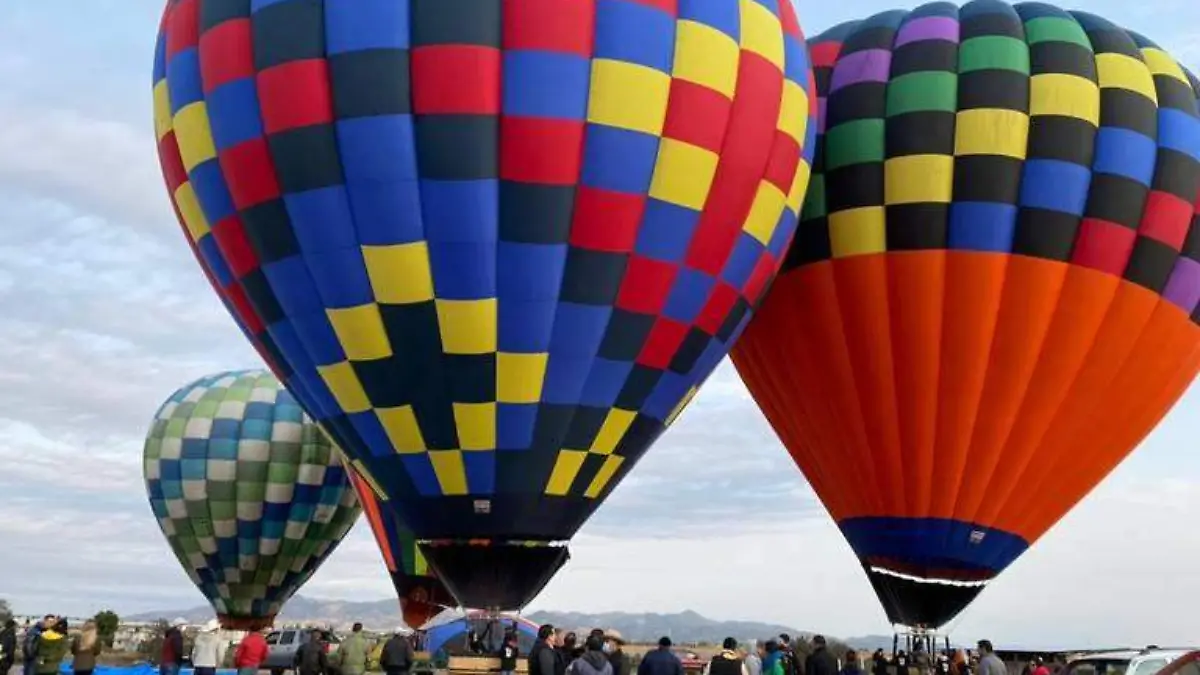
<point>103,313</point>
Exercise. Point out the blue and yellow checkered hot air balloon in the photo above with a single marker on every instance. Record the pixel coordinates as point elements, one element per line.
<point>494,247</point>
<point>248,491</point>
<point>993,292</point>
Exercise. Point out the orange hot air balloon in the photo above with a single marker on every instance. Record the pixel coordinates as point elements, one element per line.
<point>991,296</point>
<point>422,595</point>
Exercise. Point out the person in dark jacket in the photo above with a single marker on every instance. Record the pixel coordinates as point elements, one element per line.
<point>311,658</point>
<point>614,644</point>
<point>850,666</point>
<point>728,661</point>
<point>661,661</point>
<point>593,661</point>
<point>8,646</point>
<point>172,650</point>
<point>508,654</point>
<point>879,663</point>
<point>29,644</point>
<point>397,655</point>
<point>788,660</point>
<point>820,662</point>
<point>543,660</point>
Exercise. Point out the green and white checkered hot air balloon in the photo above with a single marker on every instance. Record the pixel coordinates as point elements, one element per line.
<point>248,491</point>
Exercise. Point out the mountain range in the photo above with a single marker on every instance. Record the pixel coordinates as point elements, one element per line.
<point>686,626</point>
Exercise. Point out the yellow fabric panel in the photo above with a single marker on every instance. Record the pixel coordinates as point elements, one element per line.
<point>1065,96</point>
<point>451,474</point>
<point>467,326</point>
<point>991,131</point>
<point>344,385</point>
<point>706,56</point>
<point>189,209</point>
<point>612,431</point>
<point>683,174</point>
<point>476,424</point>
<point>799,187</point>
<point>402,429</point>
<point>399,274</point>
<point>919,178</point>
<point>194,134</point>
<point>162,109</point>
<point>857,231</point>
<point>761,32</point>
<point>566,468</point>
<point>600,481</point>
<point>1117,71</point>
<point>628,96</point>
<point>360,332</point>
<point>793,112</point>
<point>1161,63</point>
<point>764,212</point>
<point>519,377</point>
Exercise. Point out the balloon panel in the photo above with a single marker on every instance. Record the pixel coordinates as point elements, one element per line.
<point>249,493</point>
<point>990,298</point>
<point>422,595</point>
<point>494,248</point>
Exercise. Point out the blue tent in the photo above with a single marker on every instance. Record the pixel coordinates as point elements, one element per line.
<point>452,634</point>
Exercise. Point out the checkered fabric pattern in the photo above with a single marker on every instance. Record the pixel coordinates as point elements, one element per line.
<point>249,492</point>
<point>1022,129</point>
<point>493,247</point>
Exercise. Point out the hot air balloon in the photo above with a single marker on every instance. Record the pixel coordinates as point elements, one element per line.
<point>422,595</point>
<point>249,492</point>
<point>493,247</point>
<point>990,298</point>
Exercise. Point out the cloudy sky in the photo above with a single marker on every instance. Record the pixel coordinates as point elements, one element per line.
<point>104,313</point>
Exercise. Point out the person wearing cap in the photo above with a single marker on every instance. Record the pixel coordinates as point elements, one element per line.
<point>208,653</point>
<point>820,661</point>
<point>661,661</point>
<point>728,661</point>
<point>397,655</point>
<point>251,652</point>
<point>171,655</point>
<point>989,663</point>
<point>614,644</point>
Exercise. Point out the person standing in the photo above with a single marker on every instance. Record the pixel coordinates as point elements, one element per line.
<point>593,661</point>
<point>728,661</point>
<point>821,661</point>
<point>542,657</point>
<point>209,651</point>
<point>172,649</point>
<point>84,649</point>
<point>397,655</point>
<point>614,644</point>
<point>851,667</point>
<point>661,661</point>
<point>52,647</point>
<point>30,642</point>
<point>508,654</point>
<point>311,658</point>
<point>772,662</point>
<point>352,655</point>
<point>788,660</point>
<point>8,646</point>
<point>251,653</point>
<point>989,663</point>
<point>751,658</point>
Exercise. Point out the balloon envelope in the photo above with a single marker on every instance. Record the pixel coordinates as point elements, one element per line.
<point>494,248</point>
<point>422,595</point>
<point>249,493</point>
<point>991,296</point>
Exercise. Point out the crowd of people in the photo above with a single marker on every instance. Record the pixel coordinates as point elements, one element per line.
<point>45,645</point>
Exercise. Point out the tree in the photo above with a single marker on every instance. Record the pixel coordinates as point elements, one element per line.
<point>5,610</point>
<point>107,623</point>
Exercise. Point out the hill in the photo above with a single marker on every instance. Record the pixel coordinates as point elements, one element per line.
<point>687,626</point>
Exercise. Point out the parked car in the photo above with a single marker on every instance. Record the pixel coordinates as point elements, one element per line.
<point>1149,661</point>
<point>282,646</point>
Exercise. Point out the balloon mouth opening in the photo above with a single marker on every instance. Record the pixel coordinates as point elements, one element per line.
<point>495,575</point>
<point>245,623</point>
